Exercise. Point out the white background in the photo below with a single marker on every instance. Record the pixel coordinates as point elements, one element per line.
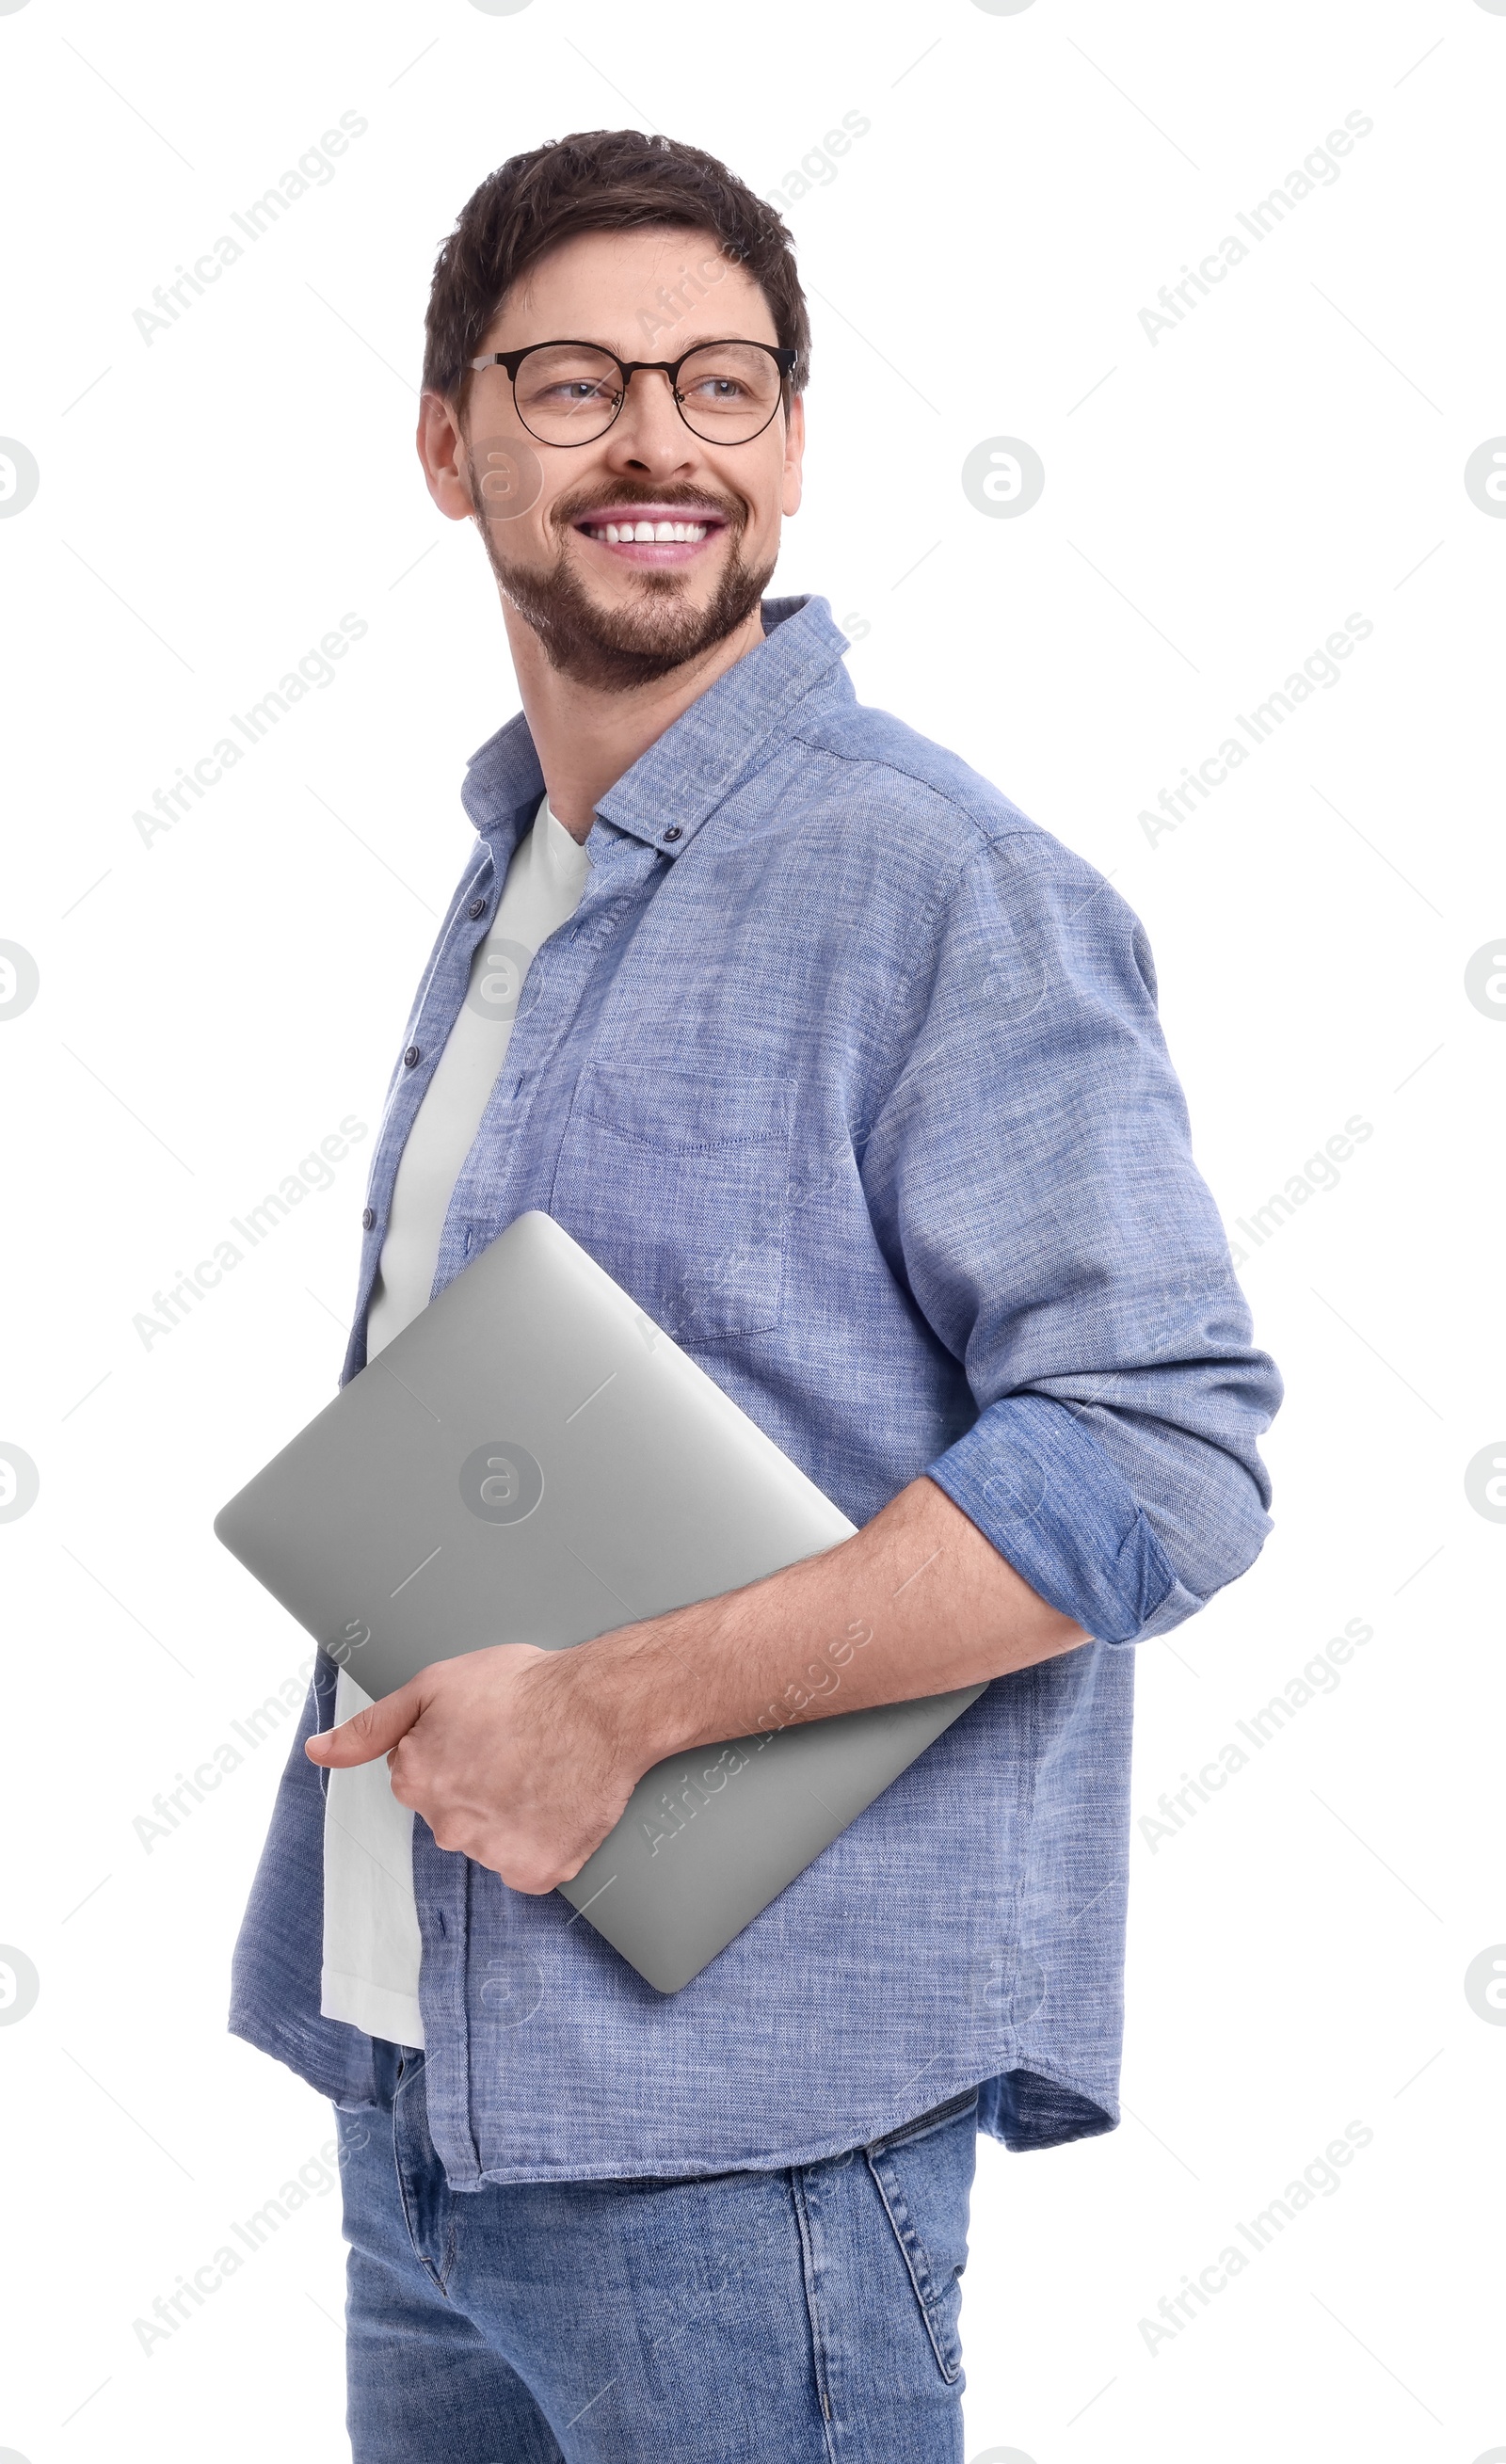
<point>212,1003</point>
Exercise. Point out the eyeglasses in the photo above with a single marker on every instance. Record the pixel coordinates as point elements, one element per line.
<point>569,393</point>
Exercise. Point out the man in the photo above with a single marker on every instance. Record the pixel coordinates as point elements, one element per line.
<point>853,1077</point>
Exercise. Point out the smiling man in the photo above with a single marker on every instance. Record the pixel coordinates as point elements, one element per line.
<point>852,1076</point>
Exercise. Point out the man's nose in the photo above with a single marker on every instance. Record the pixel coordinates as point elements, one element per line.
<point>649,426</point>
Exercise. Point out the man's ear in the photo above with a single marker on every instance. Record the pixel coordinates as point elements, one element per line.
<point>442,453</point>
<point>794,456</point>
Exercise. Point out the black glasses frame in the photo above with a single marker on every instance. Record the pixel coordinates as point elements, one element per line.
<point>512,360</point>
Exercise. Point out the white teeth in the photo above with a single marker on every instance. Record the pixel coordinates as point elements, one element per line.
<point>614,534</point>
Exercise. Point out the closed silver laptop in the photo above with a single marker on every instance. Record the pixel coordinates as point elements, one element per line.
<point>532,1460</point>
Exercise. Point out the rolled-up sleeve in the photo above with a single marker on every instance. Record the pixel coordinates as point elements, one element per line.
<point>1030,1174</point>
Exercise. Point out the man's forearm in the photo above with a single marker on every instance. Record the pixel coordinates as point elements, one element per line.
<point>917,1602</point>
<point>525,1759</point>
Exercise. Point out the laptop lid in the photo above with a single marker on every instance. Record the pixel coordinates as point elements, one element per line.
<point>532,1460</point>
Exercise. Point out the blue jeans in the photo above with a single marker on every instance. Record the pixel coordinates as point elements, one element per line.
<point>807,2315</point>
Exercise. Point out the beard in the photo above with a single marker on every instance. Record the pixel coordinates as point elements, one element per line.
<point>616,649</point>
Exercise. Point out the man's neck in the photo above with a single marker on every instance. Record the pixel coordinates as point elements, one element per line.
<point>586,738</point>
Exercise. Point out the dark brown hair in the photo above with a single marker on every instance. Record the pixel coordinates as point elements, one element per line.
<point>603,179</point>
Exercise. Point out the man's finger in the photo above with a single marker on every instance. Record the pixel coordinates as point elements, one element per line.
<point>367,1733</point>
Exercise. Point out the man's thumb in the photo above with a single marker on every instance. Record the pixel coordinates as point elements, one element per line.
<point>367,1733</point>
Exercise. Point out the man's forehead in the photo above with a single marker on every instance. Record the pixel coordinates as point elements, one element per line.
<point>617,280</point>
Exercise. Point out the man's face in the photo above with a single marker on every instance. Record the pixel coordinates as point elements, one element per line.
<point>619,613</point>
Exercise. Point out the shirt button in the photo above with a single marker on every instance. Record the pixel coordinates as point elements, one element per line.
<point>368,1218</point>
<point>412,1057</point>
<point>477,910</point>
<point>676,833</point>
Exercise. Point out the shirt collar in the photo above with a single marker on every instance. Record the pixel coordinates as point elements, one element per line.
<point>686,772</point>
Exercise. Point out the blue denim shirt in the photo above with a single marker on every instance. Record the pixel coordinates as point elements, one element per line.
<point>854,1077</point>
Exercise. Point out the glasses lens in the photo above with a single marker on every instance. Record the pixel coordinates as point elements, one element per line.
<point>568,393</point>
<point>728,391</point>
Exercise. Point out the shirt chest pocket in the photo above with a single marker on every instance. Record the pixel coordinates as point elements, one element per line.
<point>674,1182</point>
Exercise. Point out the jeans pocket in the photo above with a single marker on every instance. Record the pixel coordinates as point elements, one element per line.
<point>925,2173</point>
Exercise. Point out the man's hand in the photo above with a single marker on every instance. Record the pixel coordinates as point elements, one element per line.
<point>501,1754</point>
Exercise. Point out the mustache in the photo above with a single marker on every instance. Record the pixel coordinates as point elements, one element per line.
<point>567,511</point>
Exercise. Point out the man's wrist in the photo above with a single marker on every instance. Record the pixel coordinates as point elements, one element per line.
<point>639,1684</point>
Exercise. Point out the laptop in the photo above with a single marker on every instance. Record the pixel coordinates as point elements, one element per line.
<point>532,1460</point>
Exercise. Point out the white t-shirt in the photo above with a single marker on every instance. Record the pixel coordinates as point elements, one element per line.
<point>371,1940</point>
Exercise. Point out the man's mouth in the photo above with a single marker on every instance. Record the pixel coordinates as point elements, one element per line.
<point>651,535</point>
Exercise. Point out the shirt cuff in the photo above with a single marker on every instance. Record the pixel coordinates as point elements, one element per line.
<point>1043,1490</point>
